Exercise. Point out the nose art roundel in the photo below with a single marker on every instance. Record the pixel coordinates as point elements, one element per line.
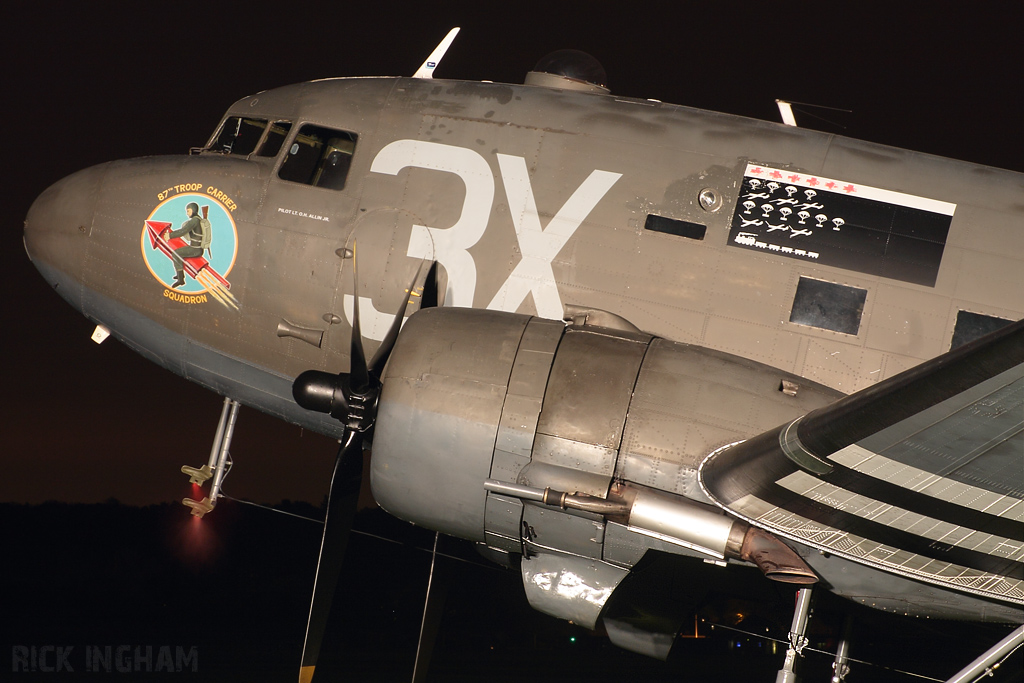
<point>206,251</point>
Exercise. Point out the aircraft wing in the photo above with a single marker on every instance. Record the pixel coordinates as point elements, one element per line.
<point>921,475</point>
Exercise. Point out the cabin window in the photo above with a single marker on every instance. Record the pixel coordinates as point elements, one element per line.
<point>672,226</point>
<point>239,135</point>
<point>828,306</point>
<point>275,138</point>
<point>320,157</point>
<point>971,326</point>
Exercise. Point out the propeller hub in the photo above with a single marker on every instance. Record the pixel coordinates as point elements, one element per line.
<point>319,391</point>
<point>362,410</point>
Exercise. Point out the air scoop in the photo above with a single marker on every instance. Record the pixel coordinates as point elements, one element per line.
<point>569,70</point>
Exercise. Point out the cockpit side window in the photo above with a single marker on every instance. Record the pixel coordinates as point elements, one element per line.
<point>239,135</point>
<point>320,157</point>
<point>275,138</point>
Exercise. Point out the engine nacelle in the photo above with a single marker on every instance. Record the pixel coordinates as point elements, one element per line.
<point>576,446</point>
<point>474,395</point>
<point>444,393</point>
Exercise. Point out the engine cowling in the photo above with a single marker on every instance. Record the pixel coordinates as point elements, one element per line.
<point>444,389</point>
<point>471,395</point>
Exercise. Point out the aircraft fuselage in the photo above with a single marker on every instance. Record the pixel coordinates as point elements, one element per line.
<point>832,260</point>
<point>533,199</point>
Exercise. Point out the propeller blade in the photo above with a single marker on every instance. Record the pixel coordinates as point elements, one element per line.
<point>341,510</point>
<point>380,358</point>
<point>430,293</point>
<point>358,373</point>
<point>433,608</point>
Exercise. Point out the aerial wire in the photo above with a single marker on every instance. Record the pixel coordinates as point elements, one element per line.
<point>762,636</point>
<point>361,533</point>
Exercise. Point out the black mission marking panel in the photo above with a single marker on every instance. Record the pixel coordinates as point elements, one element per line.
<point>866,229</point>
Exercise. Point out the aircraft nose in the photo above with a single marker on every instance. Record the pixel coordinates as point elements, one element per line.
<point>59,224</point>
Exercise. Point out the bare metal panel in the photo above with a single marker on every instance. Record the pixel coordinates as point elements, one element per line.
<point>526,387</point>
<point>530,373</point>
<point>588,394</point>
<point>568,587</point>
<point>634,639</point>
<point>545,475</point>
<point>626,547</point>
<point>574,455</point>
<point>507,466</point>
<point>503,519</point>
<point>438,418</point>
<point>689,401</point>
<point>517,427</point>
<point>547,528</point>
<point>539,342</point>
<point>503,543</point>
<point>518,424</point>
<point>570,466</point>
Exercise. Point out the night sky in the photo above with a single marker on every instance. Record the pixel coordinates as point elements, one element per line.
<point>86,83</point>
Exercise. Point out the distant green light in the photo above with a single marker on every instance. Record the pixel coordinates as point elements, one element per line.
<point>572,639</point>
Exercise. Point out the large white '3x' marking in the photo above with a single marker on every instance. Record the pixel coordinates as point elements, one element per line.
<point>537,244</point>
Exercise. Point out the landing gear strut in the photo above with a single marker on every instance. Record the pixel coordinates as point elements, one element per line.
<point>797,637</point>
<point>840,667</point>
<point>219,463</point>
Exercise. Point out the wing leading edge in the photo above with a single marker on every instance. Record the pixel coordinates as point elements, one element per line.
<point>921,475</point>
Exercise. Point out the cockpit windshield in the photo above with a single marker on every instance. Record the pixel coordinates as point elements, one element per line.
<point>275,138</point>
<point>319,157</point>
<point>244,135</point>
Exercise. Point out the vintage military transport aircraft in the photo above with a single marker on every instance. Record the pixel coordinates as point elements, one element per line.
<point>636,328</point>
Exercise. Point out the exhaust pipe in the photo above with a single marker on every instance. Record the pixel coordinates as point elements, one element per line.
<point>706,529</point>
<point>680,521</point>
<point>774,558</point>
